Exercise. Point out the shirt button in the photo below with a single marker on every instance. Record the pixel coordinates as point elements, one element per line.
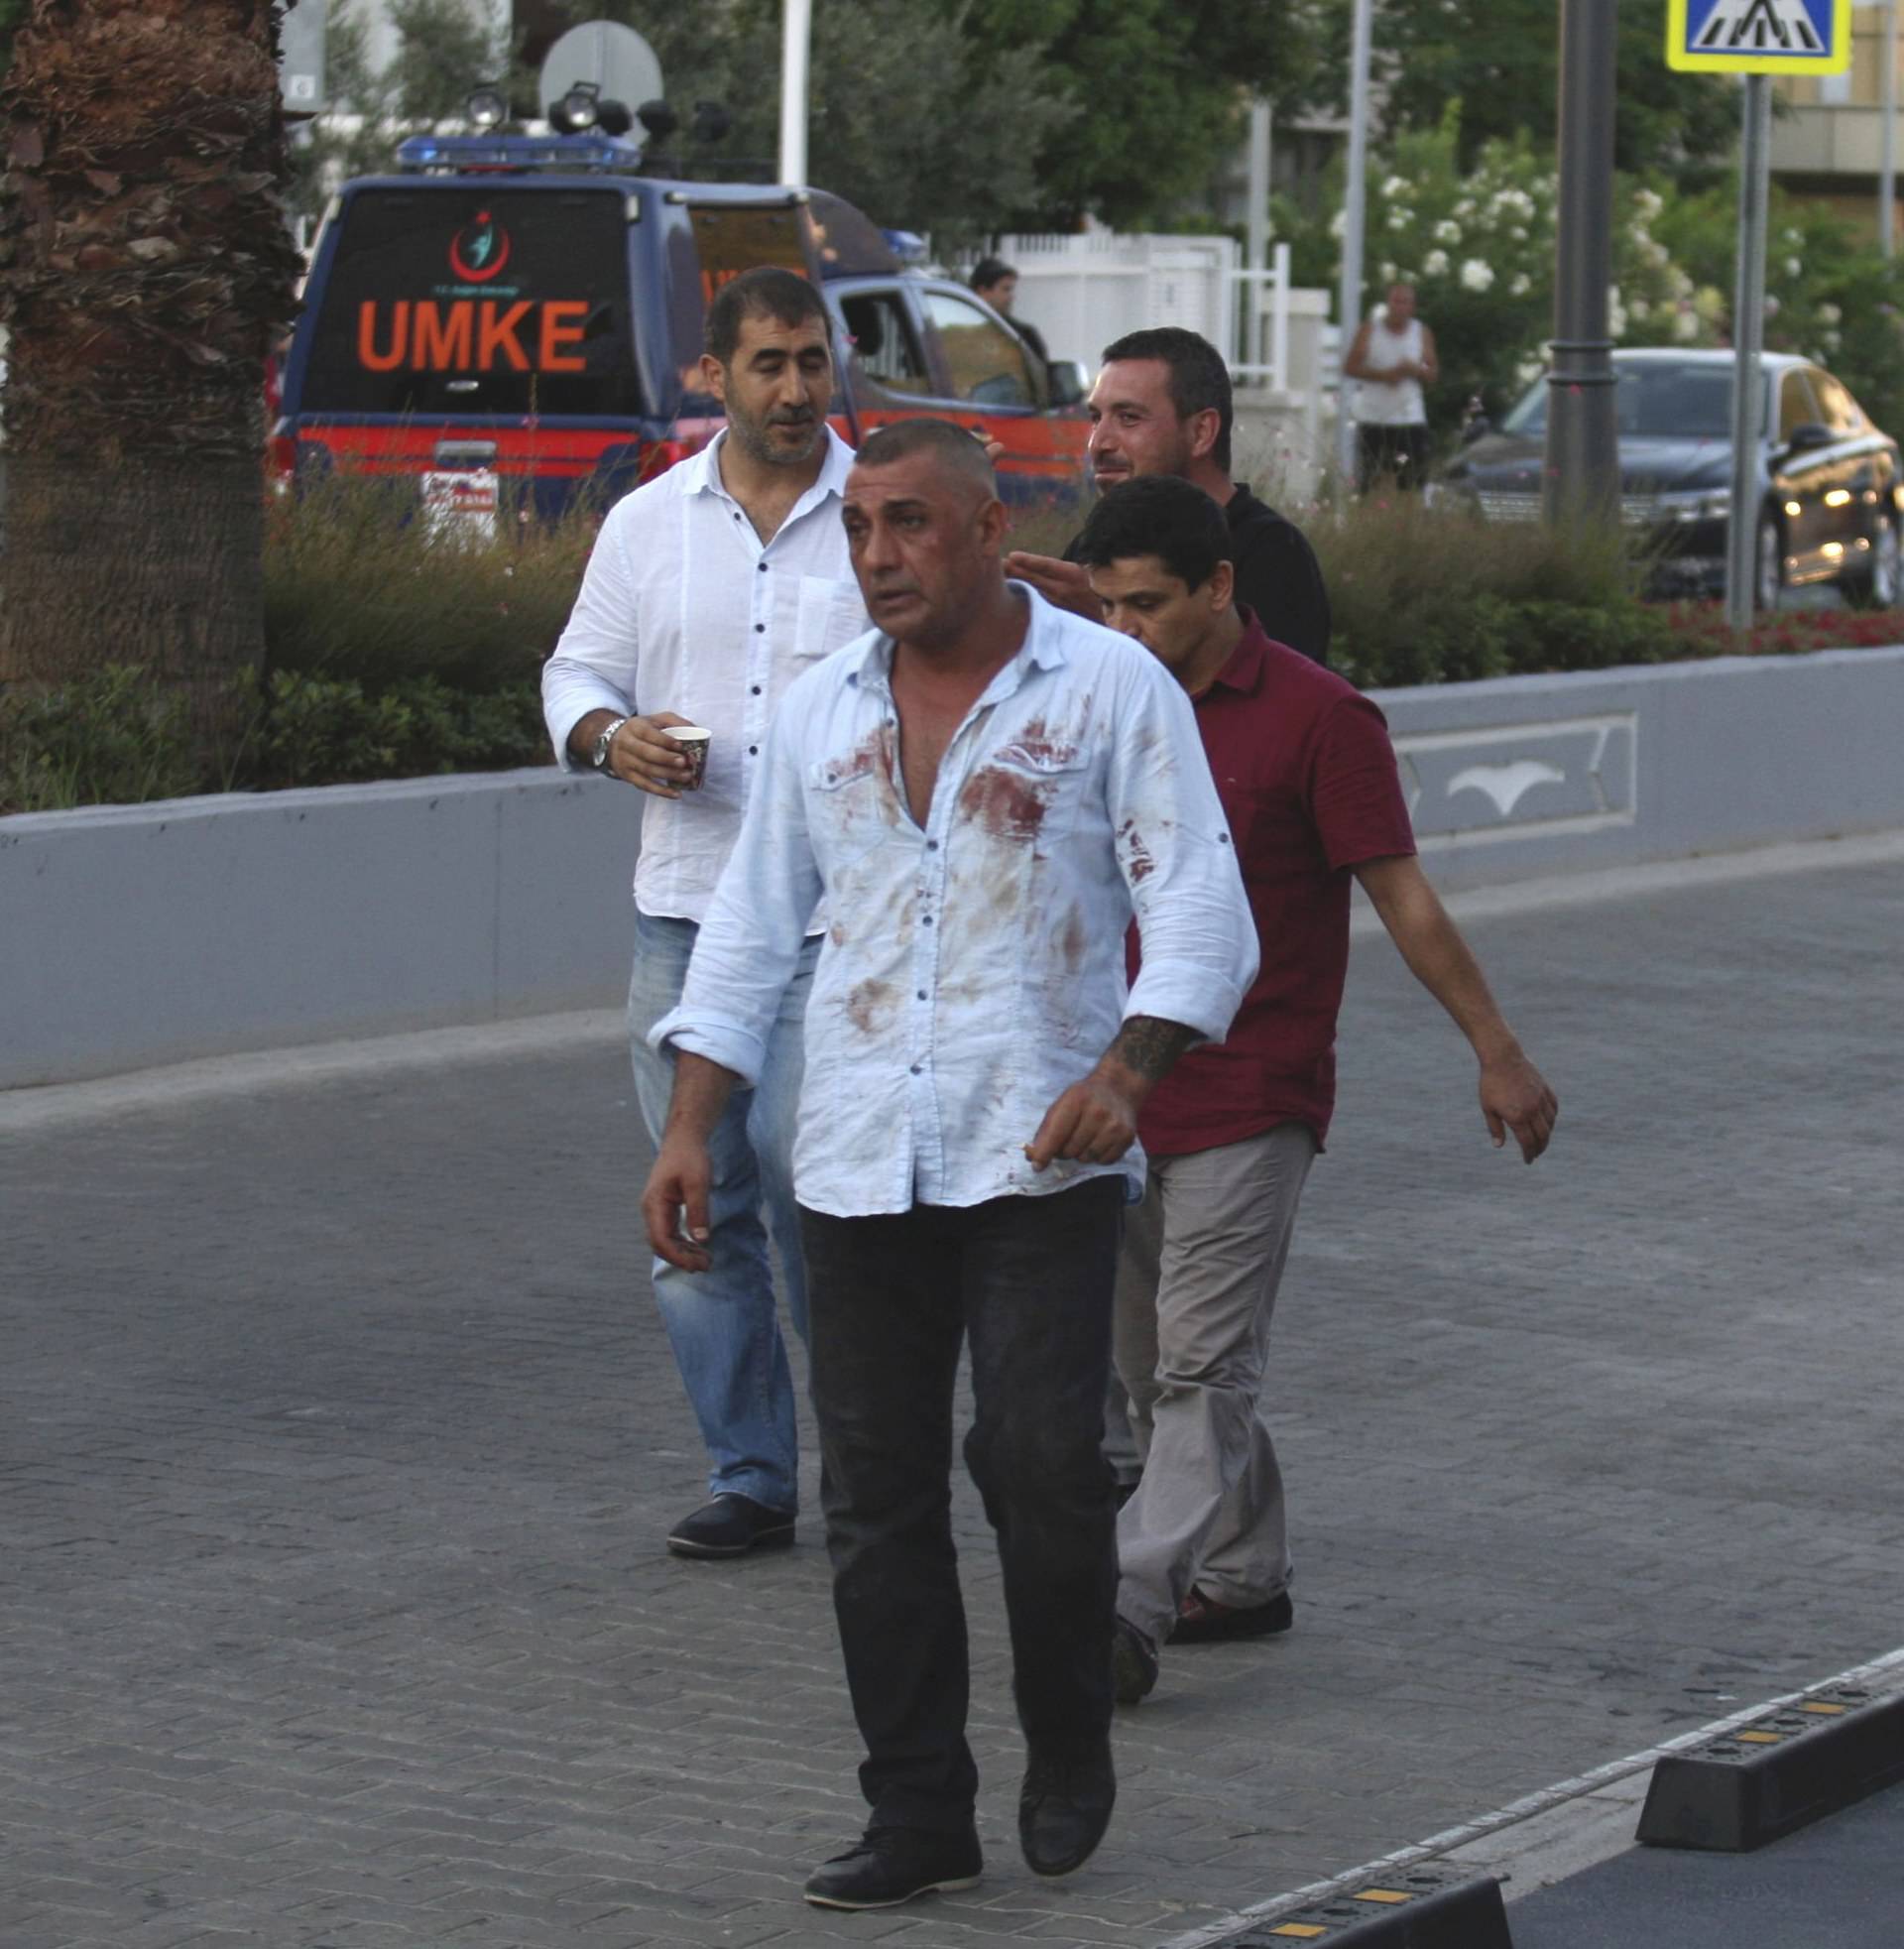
<point>763,568</point>
<point>760,629</point>
<point>931,845</point>
<point>753,751</point>
<point>918,1069</point>
<point>925,920</point>
<point>921,993</point>
<point>756,690</point>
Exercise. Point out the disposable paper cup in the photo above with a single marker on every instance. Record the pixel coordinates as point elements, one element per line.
<point>694,742</point>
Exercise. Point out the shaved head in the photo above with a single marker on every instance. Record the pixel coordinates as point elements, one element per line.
<point>950,448</point>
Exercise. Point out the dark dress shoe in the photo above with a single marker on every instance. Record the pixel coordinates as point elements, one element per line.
<point>1064,1807</point>
<point>731,1525</point>
<point>891,1865</point>
<point>1133,1664</point>
<point>1202,1620</point>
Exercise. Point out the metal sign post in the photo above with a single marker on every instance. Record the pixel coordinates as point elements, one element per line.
<point>1756,39</point>
<point>1748,344</point>
<point>1354,206</point>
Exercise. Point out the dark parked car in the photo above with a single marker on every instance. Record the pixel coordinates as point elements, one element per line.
<point>1829,500</point>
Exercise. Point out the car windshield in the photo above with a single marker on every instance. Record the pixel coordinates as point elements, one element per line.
<point>1653,401</point>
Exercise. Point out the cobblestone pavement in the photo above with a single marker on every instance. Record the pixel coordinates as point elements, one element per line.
<point>338,1439</point>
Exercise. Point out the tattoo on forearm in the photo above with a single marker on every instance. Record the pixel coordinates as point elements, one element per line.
<point>1151,1045</point>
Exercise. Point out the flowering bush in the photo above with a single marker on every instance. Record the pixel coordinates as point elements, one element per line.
<point>1478,246</point>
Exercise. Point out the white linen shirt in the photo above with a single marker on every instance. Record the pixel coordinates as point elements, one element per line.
<point>683,608</point>
<point>972,970</point>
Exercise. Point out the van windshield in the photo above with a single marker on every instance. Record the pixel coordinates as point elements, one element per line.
<point>472,298</point>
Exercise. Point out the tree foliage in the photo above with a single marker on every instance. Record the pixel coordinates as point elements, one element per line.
<point>988,114</point>
<point>1501,62</point>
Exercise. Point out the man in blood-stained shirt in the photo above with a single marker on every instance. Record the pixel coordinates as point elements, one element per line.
<point>1307,776</point>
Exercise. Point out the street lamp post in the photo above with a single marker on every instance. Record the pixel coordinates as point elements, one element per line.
<point>796,34</point>
<point>1581,482</point>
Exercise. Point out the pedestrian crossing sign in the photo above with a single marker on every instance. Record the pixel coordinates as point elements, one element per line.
<point>1759,36</point>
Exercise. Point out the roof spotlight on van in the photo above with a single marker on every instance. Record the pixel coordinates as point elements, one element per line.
<point>577,110</point>
<point>486,108</point>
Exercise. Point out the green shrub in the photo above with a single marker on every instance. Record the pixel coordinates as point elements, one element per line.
<point>112,738</point>
<point>358,586</point>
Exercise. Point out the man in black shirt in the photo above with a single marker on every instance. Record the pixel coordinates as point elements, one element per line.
<point>1162,405</point>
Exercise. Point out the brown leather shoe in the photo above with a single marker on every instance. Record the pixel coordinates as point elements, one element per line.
<point>1200,1620</point>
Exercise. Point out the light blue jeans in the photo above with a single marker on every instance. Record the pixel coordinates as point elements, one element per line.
<point>723,1323</point>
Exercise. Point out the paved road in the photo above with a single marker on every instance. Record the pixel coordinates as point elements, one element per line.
<point>337,1439</point>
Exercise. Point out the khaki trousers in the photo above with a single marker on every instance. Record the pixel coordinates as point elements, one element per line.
<point>1197,1279</point>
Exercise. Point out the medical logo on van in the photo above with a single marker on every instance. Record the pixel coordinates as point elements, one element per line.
<point>479,250</point>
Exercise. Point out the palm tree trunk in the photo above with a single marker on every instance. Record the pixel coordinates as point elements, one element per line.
<point>144,269</point>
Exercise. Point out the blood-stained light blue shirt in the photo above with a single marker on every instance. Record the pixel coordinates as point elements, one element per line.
<point>972,969</point>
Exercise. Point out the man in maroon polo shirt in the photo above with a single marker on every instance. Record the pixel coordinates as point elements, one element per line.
<point>1307,777</point>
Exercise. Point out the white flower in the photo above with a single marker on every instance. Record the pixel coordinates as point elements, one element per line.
<point>1388,275</point>
<point>1435,264</point>
<point>1466,207</point>
<point>1396,185</point>
<point>1640,308</point>
<point>1401,218</point>
<point>1338,224</point>
<point>1656,254</point>
<point>1793,267</point>
<point>1686,324</point>
<point>1616,323</point>
<point>1518,233</point>
<point>1475,275</point>
<point>1650,204</point>
<point>1446,231</point>
<point>1828,314</point>
<point>1527,371</point>
<point>1833,340</point>
<point>1522,283</point>
<point>1771,305</point>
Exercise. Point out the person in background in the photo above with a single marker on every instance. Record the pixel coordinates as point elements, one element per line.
<point>1163,405</point>
<point>1392,360</point>
<point>709,589</point>
<point>1307,777</point>
<point>998,284</point>
<point>982,792</point>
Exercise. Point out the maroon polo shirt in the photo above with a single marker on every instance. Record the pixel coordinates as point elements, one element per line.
<point>1307,777</point>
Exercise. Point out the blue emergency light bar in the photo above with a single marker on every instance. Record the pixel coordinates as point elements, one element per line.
<point>451,152</point>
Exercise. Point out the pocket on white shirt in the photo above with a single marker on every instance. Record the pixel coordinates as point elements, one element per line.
<point>831,615</point>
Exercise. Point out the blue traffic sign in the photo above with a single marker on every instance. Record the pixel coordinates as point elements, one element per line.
<point>1759,36</point>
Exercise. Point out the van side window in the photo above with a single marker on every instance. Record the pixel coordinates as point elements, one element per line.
<point>884,341</point>
<point>989,366</point>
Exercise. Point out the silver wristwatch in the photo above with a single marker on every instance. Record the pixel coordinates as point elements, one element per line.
<point>599,756</point>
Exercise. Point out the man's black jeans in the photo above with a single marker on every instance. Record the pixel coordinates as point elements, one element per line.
<point>1028,1282</point>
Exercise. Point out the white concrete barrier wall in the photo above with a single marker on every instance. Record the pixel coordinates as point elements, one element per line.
<point>135,935</point>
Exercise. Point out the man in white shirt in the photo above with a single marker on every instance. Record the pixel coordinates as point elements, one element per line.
<point>1391,358</point>
<point>984,789</point>
<point>708,592</point>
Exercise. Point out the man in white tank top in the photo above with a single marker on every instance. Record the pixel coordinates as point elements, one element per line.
<point>1392,357</point>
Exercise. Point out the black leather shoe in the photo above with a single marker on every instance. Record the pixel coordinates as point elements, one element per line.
<point>731,1525</point>
<point>1133,1664</point>
<point>1064,1807</point>
<point>891,1865</point>
<point>1202,1620</point>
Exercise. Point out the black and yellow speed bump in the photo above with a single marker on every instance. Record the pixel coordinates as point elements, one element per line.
<point>1777,1773</point>
<point>1424,1907</point>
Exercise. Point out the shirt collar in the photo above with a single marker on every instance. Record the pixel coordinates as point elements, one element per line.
<point>1244,672</point>
<point>1042,649</point>
<point>701,473</point>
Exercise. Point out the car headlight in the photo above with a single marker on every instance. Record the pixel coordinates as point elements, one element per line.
<point>1701,504</point>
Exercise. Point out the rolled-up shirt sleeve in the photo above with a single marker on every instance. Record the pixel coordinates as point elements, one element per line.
<point>1175,853</point>
<point>751,938</point>
<point>594,665</point>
